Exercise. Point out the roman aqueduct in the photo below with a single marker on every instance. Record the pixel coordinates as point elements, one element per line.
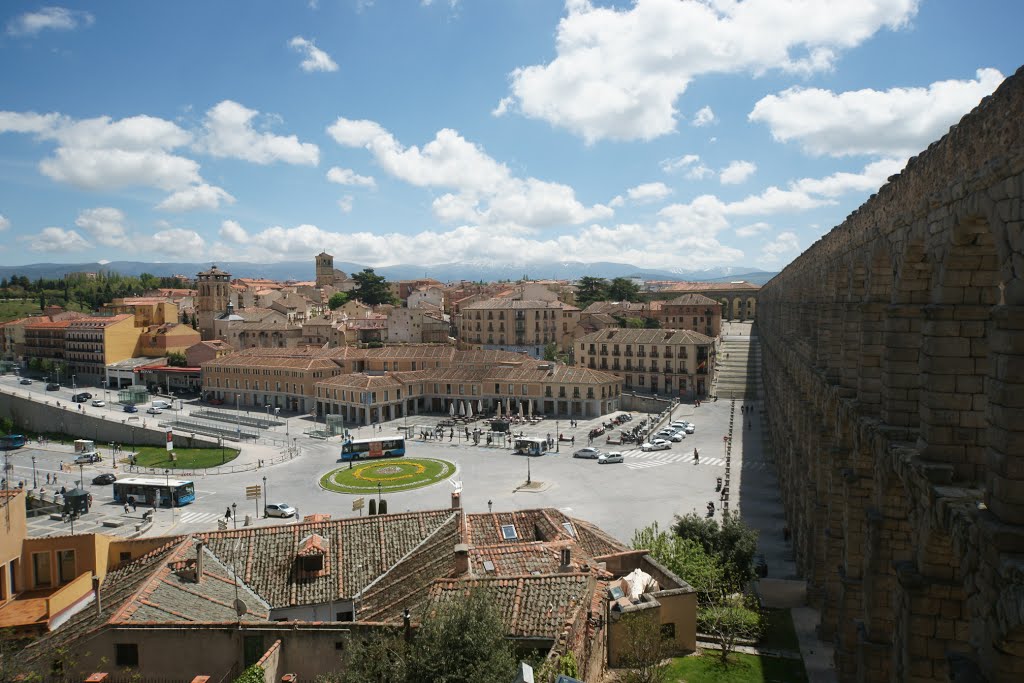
<point>894,375</point>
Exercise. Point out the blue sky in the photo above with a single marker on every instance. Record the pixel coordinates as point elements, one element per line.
<point>662,133</point>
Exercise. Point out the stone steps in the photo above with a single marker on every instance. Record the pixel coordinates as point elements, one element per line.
<point>739,375</point>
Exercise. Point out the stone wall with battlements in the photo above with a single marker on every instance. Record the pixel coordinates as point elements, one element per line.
<point>893,357</point>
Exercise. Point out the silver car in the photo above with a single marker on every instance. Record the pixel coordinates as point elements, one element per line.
<point>606,458</point>
<point>588,452</point>
<point>279,510</point>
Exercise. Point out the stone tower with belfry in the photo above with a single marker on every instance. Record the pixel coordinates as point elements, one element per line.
<point>213,295</point>
<point>324,269</point>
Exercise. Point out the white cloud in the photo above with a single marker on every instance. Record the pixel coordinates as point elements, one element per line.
<point>104,154</point>
<point>649,192</point>
<point>106,169</point>
<point>177,242</point>
<point>52,18</point>
<point>873,176</point>
<point>105,224</point>
<point>617,201</point>
<point>737,172</point>
<point>200,196</point>
<point>752,229</point>
<point>785,244</point>
<point>346,176</point>
<point>773,200</point>
<point>504,105</point>
<point>233,232</point>
<point>704,117</point>
<point>690,163</point>
<point>619,72</point>
<point>316,59</point>
<point>345,203</point>
<point>229,133</point>
<point>895,122</point>
<point>485,191</point>
<point>54,240</point>
<point>4,222</point>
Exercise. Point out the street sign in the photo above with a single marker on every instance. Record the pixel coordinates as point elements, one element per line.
<point>252,492</point>
<point>357,504</point>
<point>170,440</point>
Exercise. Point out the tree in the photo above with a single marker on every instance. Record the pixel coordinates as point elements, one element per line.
<point>729,619</point>
<point>176,359</point>
<point>624,289</point>
<point>644,648</point>
<point>337,300</point>
<point>372,289</point>
<point>460,640</point>
<point>684,557</point>
<point>551,351</point>
<point>734,543</point>
<point>590,289</point>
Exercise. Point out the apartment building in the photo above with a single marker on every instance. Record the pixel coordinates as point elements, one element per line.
<point>91,343</point>
<point>669,362</point>
<point>692,311</point>
<point>519,325</point>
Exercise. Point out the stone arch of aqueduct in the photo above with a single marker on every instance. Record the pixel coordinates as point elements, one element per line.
<point>894,372</point>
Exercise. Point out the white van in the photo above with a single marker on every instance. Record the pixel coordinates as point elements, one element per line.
<point>163,405</point>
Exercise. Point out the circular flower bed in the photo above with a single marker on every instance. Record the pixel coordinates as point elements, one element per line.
<point>391,475</point>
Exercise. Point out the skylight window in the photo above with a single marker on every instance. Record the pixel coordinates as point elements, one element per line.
<point>508,532</point>
<point>569,529</point>
<point>488,566</point>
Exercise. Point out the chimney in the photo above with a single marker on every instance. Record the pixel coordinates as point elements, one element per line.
<point>199,562</point>
<point>407,624</point>
<point>461,559</point>
<point>456,500</point>
<point>566,560</point>
<point>96,594</point>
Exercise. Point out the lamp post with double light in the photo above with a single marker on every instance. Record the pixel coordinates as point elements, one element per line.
<point>35,482</point>
<point>264,496</point>
<point>238,418</point>
<point>234,515</point>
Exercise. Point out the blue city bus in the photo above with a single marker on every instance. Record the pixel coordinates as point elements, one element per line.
<point>380,447</point>
<point>9,442</point>
<point>168,492</point>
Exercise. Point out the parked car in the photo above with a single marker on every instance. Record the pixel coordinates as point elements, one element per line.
<point>606,458</point>
<point>588,452</point>
<point>690,428</point>
<point>53,386</point>
<point>130,409</point>
<point>279,510</point>
<point>86,458</point>
<point>105,478</point>
<point>98,403</point>
<point>656,445</point>
<point>80,398</point>
<point>154,411</point>
<point>25,380</point>
<point>677,437</point>
<point>85,394</point>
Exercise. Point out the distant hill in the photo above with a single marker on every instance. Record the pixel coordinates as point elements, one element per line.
<point>486,271</point>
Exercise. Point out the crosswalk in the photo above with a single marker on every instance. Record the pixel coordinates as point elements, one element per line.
<point>636,459</point>
<point>195,518</point>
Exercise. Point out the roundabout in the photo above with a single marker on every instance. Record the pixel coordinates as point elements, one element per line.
<point>392,476</point>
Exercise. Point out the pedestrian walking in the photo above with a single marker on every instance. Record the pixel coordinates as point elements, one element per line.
<point>47,477</point>
<point>126,508</point>
<point>696,457</point>
<point>134,505</point>
<point>227,513</point>
<point>573,440</point>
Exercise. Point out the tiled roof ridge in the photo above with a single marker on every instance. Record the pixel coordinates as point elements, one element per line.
<point>167,610</point>
<point>598,532</point>
<point>148,585</point>
<point>366,589</point>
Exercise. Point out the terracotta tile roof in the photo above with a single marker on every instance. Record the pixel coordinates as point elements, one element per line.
<point>542,557</point>
<point>620,335</point>
<point>672,286</point>
<point>594,540</point>
<point>531,606</point>
<point>501,302</point>
<point>312,546</point>
<point>692,299</point>
<point>407,584</point>
<point>541,524</point>
<point>98,321</point>
<point>118,587</point>
<point>48,324</point>
<point>173,596</point>
<point>358,551</point>
<point>361,381</point>
<point>248,361</point>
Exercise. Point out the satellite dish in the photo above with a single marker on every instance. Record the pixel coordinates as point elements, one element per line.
<point>241,609</point>
<point>456,484</point>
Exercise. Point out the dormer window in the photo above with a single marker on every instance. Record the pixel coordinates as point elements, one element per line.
<point>311,559</point>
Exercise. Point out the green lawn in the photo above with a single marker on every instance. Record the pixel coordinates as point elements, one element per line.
<point>398,474</point>
<point>12,309</point>
<point>706,667</point>
<point>779,633</point>
<point>187,458</point>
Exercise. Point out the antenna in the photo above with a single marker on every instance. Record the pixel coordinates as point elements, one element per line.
<point>456,484</point>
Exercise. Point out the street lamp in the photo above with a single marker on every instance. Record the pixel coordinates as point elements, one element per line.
<point>74,385</point>
<point>170,499</point>
<point>378,495</point>
<point>234,515</point>
<point>489,504</point>
<point>81,475</point>
<point>528,480</point>
<point>35,482</point>
<point>264,496</point>
<point>268,407</point>
<point>238,417</point>
<point>558,438</point>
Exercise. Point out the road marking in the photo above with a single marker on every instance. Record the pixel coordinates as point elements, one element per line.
<point>199,517</point>
<point>642,465</point>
